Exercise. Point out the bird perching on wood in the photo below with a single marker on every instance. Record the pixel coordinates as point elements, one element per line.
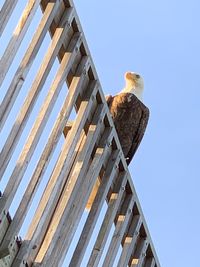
<point>130,117</point>
<point>129,114</point>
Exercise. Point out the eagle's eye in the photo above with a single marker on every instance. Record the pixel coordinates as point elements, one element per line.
<point>137,76</point>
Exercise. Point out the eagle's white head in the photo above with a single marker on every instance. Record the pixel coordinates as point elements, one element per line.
<point>134,84</point>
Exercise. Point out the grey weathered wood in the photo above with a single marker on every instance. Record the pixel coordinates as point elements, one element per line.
<point>74,90</point>
<point>33,94</point>
<point>5,222</point>
<point>17,37</point>
<point>5,13</point>
<point>70,143</point>
<point>55,185</point>
<point>130,241</point>
<point>76,176</point>
<point>140,253</point>
<point>120,228</point>
<point>8,259</point>
<point>40,123</point>
<point>150,262</point>
<point>52,228</point>
<point>73,215</point>
<point>26,62</point>
<point>17,261</point>
<point>113,206</point>
<point>107,179</point>
<point>37,129</point>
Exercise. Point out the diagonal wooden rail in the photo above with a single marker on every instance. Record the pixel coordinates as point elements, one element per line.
<point>81,148</point>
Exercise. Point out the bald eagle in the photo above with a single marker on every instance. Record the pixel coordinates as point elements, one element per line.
<point>130,118</point>
<point>129,114</point>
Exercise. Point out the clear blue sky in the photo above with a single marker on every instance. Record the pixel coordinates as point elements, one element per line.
<point>161,41</point>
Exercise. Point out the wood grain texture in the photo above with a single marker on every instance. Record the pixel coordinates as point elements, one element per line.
<point>92,218</point>
<point>113,205</point>
<point>40,122</point>
<point>17,37</point>
<point>122,221</point>
<point>150,262</point>
<point>73,215</point>
<point>139,253</point>
<point>37,130</point>
<point>58,178</point>
<point>27,61</point>
<point>33,93</point>
<point>75,179</point>
<point>130,241</point>
<point>5,13</point>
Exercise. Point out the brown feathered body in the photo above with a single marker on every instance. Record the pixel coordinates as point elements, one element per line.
<point>130,117</point>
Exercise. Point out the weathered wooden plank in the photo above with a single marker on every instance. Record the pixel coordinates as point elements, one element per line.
<point>36,131</point>
<point>58,14</point>
<point>150,262</point>
<point>61,244</point>
<point>31,98</point>
<point>140,253</point>
<point>17,261</point>
<point>75,178</point>
<point>40,123</point>
<point>120,228</point>
<point>17,37</point>
<point>14,248</point>
<point>74,89</point>
<point>73,136</point>
<point>60,207</point>
<point>27,61</point>
<point>5,13</point>
<point>4,223</point>
<point>130,241</point>
<point>56,20</point>
<point>107,179</point>
<point>58,178</point>
<point>113,206</point>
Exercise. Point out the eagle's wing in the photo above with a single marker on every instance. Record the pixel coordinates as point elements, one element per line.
<point>139,134</point>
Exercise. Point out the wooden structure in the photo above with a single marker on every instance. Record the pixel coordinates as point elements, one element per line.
<point>88,153</point>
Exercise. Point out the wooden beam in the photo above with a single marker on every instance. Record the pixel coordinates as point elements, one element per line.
<point>75,88</point>
<point>90,223</point>
<point>27,61</point>
<point>61,244</point>
<point>40,122</point>
<point>33,94</point>
<point>75,179</point>
<point>58,178</point>
<point>130,241</point>
<point>150,262</point>
<point>5,13</point>
<point>140,253</point>
<point>36,132</point>
<point>17,37</point>
<point>113,206</point>
<point>123,219</point>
